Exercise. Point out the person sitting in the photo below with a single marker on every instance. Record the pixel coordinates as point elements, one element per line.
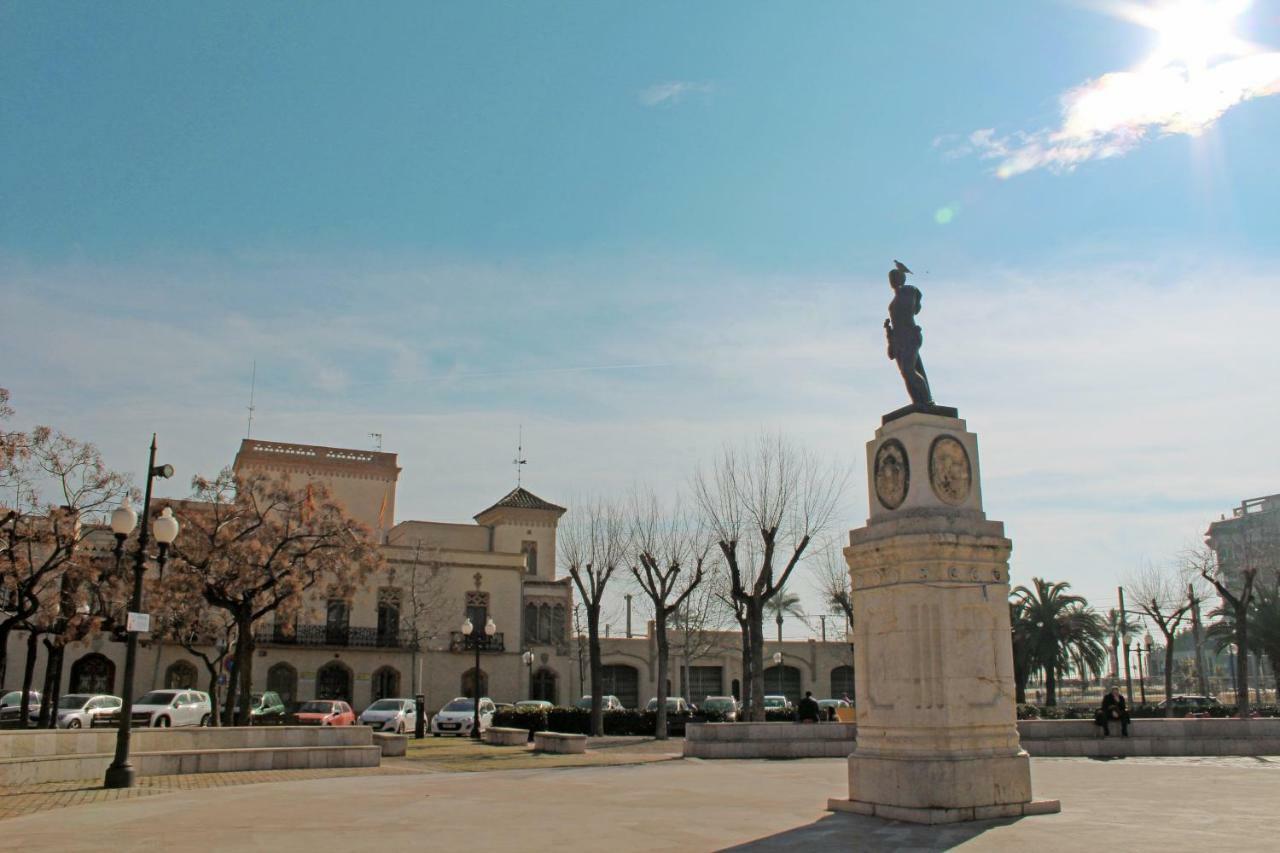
<point>809,711</point>
<point>1113,709</point>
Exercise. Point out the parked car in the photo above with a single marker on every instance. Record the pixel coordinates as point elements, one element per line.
<point>458,716</point>
<point>675,705</point>
<point>777,703</point>
<point>533,705</point>
<point>831,708</point>
<point>84,710</point>
<point>503,706</point>
<point>610,703</point>
<point>164,708</point>
<point>1189,704</point>
<point>325,712</point>
<point>726,706</point>
<point>266,708</point>
<point>390,715</point>
<point>11,707</point>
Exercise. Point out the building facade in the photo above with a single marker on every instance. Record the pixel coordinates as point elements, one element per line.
<point>400,633</point>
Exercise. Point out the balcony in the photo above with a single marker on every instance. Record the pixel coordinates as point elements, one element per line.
<point>460,642</point>
<point>335,635</point>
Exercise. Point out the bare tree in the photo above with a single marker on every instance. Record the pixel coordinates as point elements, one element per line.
<point>834,583</point>
<point>425,599</point>
<point>256,546</point>
<point>698,625</point>
<point>57,493</point>
<point>592,547</point>
<point>1236,594</point>
<point>661,545</point>
<point>780,497</point>
<point>1159,595</point>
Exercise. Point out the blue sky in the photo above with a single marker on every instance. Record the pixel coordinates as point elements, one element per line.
<point>644,230</point>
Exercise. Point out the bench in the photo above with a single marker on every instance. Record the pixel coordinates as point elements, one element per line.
<point>559,743</point>
<point>392,745</point>
<point>499,736</point>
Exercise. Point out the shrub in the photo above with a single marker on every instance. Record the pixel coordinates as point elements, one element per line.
<point>532,720</point>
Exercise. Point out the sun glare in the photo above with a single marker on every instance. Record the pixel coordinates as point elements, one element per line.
<point>1190,32</point>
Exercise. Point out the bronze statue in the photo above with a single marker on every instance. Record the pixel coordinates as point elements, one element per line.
<point>905,337</point>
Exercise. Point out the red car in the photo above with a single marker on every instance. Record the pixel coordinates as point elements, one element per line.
<point>325,712</point>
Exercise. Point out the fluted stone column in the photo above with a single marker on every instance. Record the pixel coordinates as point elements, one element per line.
<point>937,734</point>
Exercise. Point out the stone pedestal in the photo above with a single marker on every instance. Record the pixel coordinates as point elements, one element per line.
<point>937,724</point>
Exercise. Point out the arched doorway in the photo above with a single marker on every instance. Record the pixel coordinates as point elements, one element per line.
<point>333,681</point>
<point>842,682</point>
<point>282,679</point>
<point>93,673</point>
<point>624,682</point>
<point>386,683</point>
<point>180,675</point>
<point>544,686</point>
<point>469,684</point>
<point>783,681</point>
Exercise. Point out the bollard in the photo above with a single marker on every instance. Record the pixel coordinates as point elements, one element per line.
<point>420,717</point>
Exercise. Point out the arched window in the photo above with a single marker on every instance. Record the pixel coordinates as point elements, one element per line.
<point>282,679</point>
<point>842,682</point>
<point>783,681</point>
<point>180,675</point>
<point>624,682</point>
<point>544,623</point>
<point>544,686</point>
<point>531,623</point>
<point>333,681</point>
<point>530,550</point>
<point>469,684</point>
<point>93,673</point>
<point>386,683</point>
<point>558,625</point>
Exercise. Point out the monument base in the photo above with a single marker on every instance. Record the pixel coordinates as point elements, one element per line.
<point>941,789</point>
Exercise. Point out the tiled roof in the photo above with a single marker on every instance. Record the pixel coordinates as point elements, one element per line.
<point>521,498</point>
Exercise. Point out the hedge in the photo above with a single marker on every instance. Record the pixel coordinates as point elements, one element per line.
<point>1139,711</point>
<point>578,721</point>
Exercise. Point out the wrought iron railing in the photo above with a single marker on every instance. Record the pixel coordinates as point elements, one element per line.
<point>460,642</point>
<point>335,635</point>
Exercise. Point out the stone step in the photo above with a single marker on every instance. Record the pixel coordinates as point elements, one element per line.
<point>756,732</point>
<point>768,749</point>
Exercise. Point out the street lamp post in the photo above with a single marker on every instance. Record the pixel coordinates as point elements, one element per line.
<point>120,774</point>
<point>1142,678</point>
<point>527,657</point>
<point>1148,642</point>
<point>777,664</point>
<point>469,632</point>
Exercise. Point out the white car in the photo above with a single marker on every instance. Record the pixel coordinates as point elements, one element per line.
<point>675,705</point>
<point>164,708</point>
<point>390,715</point>
<point>458,716</point>
<point>81,710</point>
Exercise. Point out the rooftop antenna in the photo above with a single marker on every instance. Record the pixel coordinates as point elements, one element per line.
<point>377,440</point>
<point>519,461</point>
<point>253,386</point>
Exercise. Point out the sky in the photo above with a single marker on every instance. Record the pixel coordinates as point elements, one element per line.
<point>638,232</point>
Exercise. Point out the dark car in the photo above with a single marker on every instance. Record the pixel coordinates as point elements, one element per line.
<point>11,708</point>
<point>266,709</point>
<point>1191,704</point>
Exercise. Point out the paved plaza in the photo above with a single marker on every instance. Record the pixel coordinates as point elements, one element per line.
<point>1137,804</point>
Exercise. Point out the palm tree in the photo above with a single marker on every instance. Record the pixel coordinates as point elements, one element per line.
<point>1117,628</point>
<point>784,604</point>
<point>1021,630</point>
<point>1264,625</point>
<point>1058,626</point>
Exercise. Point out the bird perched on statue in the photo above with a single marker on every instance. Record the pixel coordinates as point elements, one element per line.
<point>901,266</point>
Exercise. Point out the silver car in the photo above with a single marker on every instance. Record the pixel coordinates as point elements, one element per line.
<point>390,715</point>
<point>84,710</point>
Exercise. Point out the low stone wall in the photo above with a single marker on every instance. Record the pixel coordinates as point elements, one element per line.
<point>392,745</point>
<point>769,740</point>
<point>1151,737</point>
<point>69,755</point>
<point>1159,736</point>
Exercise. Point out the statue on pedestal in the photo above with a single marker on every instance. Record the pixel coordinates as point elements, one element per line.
<point>905,337</point>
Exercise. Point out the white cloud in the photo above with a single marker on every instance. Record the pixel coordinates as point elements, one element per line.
<point>672,92</point>
<point>1175,91</point>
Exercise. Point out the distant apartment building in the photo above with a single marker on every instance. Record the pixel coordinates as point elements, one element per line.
<point>1248,539</point>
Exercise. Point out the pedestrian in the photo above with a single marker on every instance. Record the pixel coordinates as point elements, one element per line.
<point>1113,709</point>
<point>809,711</point>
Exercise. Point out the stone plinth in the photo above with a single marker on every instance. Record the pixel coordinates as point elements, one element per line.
<point>936,721</point>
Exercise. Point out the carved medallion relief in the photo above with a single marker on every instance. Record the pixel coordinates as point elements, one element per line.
<point>950,474</point>
<point>892,474</point>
